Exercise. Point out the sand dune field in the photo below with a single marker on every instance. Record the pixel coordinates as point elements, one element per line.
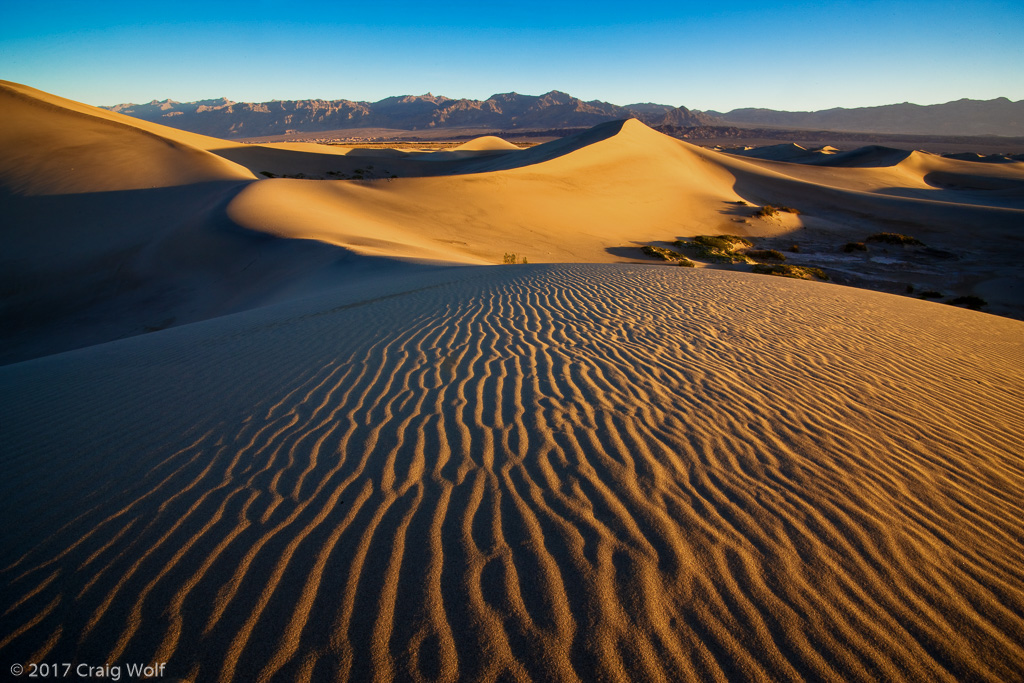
<point>536,472</point>
<point>268,428</point>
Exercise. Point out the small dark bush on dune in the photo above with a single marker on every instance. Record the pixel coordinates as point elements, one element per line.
<point>930,294</point>
<point>766,254</point>
<point>894,238</point>
<point>854,246</point>
<point>972,302</point>
<point>785,270</point>
<point>769,210</point>
<point>795,248</point>
<point>667,255</point>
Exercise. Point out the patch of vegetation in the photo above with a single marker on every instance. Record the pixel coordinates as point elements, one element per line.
<point>854,246</point>
<point>299,176</point>
<point>972,302</point>
<point>723,242</point>
<point>769,254</point>
<point>769,210</point>
<point>510,258</point>
<point>717,248</point>
<point>894,238</point>
<point>931,294</point>
<point>740,202</point>
<point>795,248</point>
<point>667,255</point>
<point>786,270</point>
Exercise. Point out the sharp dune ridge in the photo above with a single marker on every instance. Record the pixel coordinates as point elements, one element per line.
<point>544,472</point>
<point>290,429</point>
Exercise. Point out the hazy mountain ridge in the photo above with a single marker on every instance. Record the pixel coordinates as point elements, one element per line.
<point>228,119</point>
<point>961,117</point>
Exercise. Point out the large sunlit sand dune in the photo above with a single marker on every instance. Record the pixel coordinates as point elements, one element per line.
<point>528,473</point>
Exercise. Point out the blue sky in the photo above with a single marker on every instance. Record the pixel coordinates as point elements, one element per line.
<point>707,55</point>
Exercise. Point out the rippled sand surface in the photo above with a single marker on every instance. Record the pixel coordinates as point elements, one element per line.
<point>528,473</point>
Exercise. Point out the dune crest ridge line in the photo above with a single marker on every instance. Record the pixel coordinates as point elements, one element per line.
<point>541,472</point>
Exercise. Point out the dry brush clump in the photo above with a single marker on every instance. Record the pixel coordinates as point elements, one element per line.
<point>786,270</point>
<point>895,238</point>
<point>769,210</point>
<point>667,255</point>
<point>717,248</point>
<point>765,254</point>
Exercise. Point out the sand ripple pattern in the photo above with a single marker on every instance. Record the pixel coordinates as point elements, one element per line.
<point>529,473</point>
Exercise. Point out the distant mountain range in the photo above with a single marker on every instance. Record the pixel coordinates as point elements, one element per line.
<point>962,117</point>
<point>558,110</point>
<point>506,111</point>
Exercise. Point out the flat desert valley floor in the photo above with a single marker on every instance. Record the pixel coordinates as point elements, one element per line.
<point>270,428</point>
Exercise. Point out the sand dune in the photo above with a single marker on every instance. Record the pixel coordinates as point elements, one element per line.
<point>153,227</point>
<point>114,229</point>
<point>531,472</point>
<point>566,202</point>
<point>486,143</point>
<point>53,146</point>
<point>781,152</point>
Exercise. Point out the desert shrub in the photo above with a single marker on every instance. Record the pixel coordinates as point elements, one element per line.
<point>770,254</point>
<point>717,248</point>
<point>740,202</point>
<point>972,302</point>
<point>723,242</point>
<point>854,246</point>
<point>931,294</point>
<point>786,270</point>
<point>894,238</point>
<point>508,258</point>
<point>667,255</point>
<point>910,289</point>
<point>795,248</point>
<point>769,210</point>
<point>268,174</point>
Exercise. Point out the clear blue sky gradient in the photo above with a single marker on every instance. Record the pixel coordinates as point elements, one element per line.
<point>706,55</point>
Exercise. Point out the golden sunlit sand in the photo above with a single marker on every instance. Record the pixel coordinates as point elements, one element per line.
<point>266,428</point>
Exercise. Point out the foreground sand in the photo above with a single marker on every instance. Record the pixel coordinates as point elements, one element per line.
<point>528,473</point>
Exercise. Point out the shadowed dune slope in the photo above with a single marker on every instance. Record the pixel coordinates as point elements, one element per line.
<point>533,472</point>
<point>112,229</point>
<point>56,146</point>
